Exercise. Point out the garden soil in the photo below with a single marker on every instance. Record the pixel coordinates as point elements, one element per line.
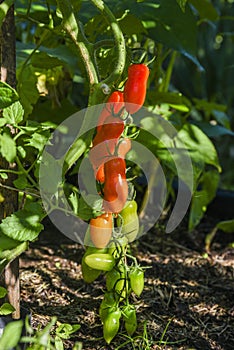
<point>187,303</point>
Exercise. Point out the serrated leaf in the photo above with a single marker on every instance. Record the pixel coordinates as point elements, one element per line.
<point>8,95</point>
<point>7,147</point>
<point>6,309</point>
<point>14,113</point>
<point>226,226</point>
<point>11,335</point>
<point>22,226</point>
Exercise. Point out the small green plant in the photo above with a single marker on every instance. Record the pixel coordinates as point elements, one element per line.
<point>51,337</point>
<point>5,308</point>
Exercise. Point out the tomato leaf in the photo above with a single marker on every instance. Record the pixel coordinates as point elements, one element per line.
<point>8,95</point>
<point>205,9</point>
<point>11,335</point>
<point>6,309</point>
<point>7,147</point>
<point>203,196</point>
<point>23,225</point>
<point>14,113</point>
<point>226,226</point>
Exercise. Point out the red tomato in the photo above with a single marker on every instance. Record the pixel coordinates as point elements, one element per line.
<point>101,230</point>
<point>115,186</point>
<point>135,87</point>
<point>112,128</point>
<point>114,105</point>
<point>102,152</point>
<point>99,174</point>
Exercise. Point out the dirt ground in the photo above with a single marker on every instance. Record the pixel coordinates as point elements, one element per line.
<point>187,303</point>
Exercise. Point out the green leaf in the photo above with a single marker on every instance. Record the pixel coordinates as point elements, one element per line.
<point>21,182</point>
<point>11,335</point>
<point>7,147</point>
<point>208,107</point>
<point>202,150</point>
<point>65,330</point>
<point>4,7</point>
<point>205,9</point>
<point>213,130</point>
<point>226,226</point>
<point>167,24</point>
<point>2,122</point>
<point>182,4</point>
<point>58,343</point>
<point>27,88</point>
<point>6,309</point>
<point>14,113</point>
<point>22,225</point>
<point>206,191</point>
<point>7,256</point>
<point>7,243</point>
<point>130,25</point>
<point>45,61</point>
<point>3,292</point>
<point>38,140</point>
<point>8,95</point>
<point>173,99</point>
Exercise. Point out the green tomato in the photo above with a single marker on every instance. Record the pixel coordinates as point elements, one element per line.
<point>98,261</point>
<point>128,219</point>
<point>136,276</point>
<point>111,325</point>
<point>129,314</point>
<point>116,280</point>
<point>107,305</point>
<point>89,274</point>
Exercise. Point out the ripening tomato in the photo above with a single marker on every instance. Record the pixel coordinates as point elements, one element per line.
<point>115,186</point>
<point>101,152</point>
<point>101,230</point>
<point>135,87</point>
<point>128,220</point>
<point>112,128</point>
<point>114,105</point>
<point>124,147</point>
<point>99,174</point>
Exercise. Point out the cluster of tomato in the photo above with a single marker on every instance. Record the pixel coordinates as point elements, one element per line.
<point>107,157</point>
